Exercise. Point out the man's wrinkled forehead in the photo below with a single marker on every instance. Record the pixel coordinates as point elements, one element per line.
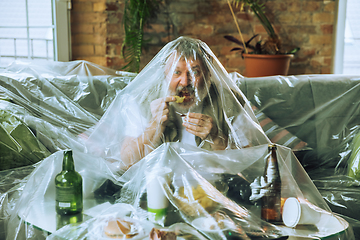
<point>175,58</point>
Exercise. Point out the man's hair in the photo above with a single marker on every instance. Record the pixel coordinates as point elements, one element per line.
<point>189,48</point>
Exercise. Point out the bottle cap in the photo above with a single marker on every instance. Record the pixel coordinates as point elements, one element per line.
<point>271,145</point>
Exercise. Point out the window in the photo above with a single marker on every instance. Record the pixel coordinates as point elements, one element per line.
<point>347,49</point>
<point>34,30</point>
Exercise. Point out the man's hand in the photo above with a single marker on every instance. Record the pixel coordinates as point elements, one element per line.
<point>160,110</point>
<point>160,115</point>
<point>200,125</point>
<point>135,148</point>
<point>203,126</point>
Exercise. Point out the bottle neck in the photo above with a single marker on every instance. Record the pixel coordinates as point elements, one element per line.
<point>68,161</point>
<point>272,152</point>
<point>271,168</point>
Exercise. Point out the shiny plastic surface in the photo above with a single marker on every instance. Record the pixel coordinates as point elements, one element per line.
<point>215,178</point>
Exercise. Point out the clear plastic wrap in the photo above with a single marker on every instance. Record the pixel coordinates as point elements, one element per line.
<point>212,113</point>
<point>323,111</point>
<point>126,151</point>
<point>200,191</point>
<point>58,101</point>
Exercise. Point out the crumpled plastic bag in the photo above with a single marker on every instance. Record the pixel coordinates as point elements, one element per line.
<point>18,145</point>
<point>61,119</point>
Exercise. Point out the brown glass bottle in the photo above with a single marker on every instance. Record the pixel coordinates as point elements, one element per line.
<point>271,200</point>
<point>68,188</point>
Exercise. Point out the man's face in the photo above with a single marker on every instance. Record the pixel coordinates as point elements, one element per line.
<point>186,80</point>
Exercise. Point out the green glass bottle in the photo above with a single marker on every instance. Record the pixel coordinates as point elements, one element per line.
<point>63,220</point>
<point>68,188</point>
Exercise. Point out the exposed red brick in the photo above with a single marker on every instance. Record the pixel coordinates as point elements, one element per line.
<point>156,28</point>
<point>83,39</point>
<point>82,28</point>
<point>308,24</point>
<point>82,7</point>
<point>114,39</point>
<point>203,30</point>
<point>323,18</point>
<point>293,6</point>
<point>115,62</point>
<point>325,70</point>
<point>100,28</point>
<point>327,28</point>
<point>236,62</point>
<point>330,6</point>
<point>311,6</point>
<point>100,50</point>
<point>118,49</point>
<point>99,6</point>
<point>91,17</point>
<point>226,50</point>
<point>320,39</point>
<point>83,50</point>
<point>327,61</point>
<point>112,6</point>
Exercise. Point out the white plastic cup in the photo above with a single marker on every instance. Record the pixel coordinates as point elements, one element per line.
<point>297,212</point>
<point>157,202</point>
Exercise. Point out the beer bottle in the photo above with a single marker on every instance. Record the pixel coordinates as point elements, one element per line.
<point>271,200</point>
<point>63,220</point>
<point>68,188</point>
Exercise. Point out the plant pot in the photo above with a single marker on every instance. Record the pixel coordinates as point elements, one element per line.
<point>260,65</point>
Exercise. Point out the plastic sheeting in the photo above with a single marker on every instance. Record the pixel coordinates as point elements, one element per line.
<point>87,108</point>
<point>191,169</point>
<point>212,113</point>
<point>324,111</point>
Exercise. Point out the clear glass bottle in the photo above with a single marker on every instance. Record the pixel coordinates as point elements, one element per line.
<point>68,188</point>
<point>271,200</point>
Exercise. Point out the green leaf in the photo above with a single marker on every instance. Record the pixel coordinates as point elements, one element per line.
<point>137,14</point>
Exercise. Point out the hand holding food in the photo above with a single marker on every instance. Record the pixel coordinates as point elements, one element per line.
<point>159,110</point>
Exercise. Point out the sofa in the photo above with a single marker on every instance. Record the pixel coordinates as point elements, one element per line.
<point>321,110</point>
<point>51,104</point>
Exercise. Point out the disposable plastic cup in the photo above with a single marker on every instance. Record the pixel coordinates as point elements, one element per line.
<point>157,202</point>
<point>297,212</point>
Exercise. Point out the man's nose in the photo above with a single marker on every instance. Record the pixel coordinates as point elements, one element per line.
<point>185,79</point>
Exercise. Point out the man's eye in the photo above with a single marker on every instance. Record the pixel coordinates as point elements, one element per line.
<point>196,73</point>
<point>176,72</point>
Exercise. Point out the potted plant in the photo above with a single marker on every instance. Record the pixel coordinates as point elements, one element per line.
<point>264,58</point>
<point>137,13</point>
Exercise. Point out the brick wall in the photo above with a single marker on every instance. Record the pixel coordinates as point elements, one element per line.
<point>97,33</point>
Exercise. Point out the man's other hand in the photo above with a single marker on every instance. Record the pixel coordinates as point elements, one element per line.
<point>200,125</point>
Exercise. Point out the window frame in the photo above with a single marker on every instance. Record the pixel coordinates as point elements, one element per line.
<point>62,39</point>
<point>61,31</point>
<point>338,56</point>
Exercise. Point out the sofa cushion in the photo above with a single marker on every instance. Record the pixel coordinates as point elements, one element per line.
<point>276,133</point>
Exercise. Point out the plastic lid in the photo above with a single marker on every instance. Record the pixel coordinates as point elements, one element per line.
<point>291,212</point>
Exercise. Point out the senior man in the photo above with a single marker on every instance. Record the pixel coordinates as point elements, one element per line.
<point>183,95</point>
